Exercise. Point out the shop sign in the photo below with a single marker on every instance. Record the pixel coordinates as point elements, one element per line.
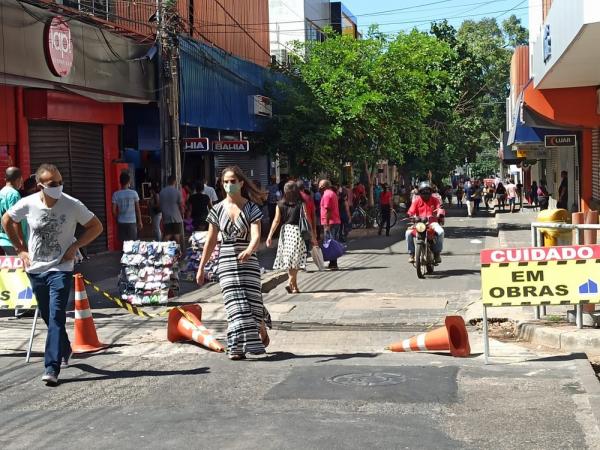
<point>58,46</point>
<point>540,275</point>
<point>231,146</point>
<point>547,44</point>
<point>191,145</point>
<point>568,140</point>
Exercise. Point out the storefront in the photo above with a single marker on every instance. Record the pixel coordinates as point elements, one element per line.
<point>542,150</point>
<point>564,91</point>
<point>221,104</point>
<point>63,85</point>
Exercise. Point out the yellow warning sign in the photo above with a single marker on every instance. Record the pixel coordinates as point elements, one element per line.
<point>15,289</point>
<point>535,276</point>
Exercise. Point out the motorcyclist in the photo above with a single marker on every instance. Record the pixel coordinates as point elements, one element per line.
<point>426,205</point>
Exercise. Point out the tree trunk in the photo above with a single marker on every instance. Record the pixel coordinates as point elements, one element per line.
<point>370,173</point>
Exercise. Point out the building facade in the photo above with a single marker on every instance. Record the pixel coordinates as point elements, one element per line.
<point>561,97</point>
<point>63,85</point>
<point>296,21</point>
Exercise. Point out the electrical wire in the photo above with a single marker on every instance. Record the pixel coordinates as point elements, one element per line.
<point>418,21</point>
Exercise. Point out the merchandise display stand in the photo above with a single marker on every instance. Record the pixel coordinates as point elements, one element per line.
<point>149,273</point>
<point>192,258</point>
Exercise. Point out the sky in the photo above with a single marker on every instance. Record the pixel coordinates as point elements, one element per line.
<point>398,15</point>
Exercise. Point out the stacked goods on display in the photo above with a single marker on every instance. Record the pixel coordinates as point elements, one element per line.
<point>193,255</point>
<point>149,273</point>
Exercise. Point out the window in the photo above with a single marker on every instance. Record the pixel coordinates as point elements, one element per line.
<point>313,33</point>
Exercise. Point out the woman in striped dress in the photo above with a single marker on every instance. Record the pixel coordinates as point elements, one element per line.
<point>291,249</point>
<point>238,217</point>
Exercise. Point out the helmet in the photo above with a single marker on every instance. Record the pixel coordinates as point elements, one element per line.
<point>425,187</point>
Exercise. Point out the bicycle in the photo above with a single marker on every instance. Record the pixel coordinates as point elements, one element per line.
<point>364,218</point>
<point>393,216</point>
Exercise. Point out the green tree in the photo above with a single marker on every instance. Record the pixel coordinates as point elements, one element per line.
<point>364,100</point>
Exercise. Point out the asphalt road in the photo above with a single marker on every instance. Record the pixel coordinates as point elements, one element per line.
<point>326,382</point>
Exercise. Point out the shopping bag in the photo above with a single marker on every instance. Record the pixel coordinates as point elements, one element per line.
<point>317,257</point>
<point>332,249</point>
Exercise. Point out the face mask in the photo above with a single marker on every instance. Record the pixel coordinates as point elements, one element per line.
<point>53,192</point>
<point>232,188</point>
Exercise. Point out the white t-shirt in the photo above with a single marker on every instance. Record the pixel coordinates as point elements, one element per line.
<point>51,230</point>
<point>212,194</point>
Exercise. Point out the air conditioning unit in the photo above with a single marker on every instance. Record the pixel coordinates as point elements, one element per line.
<point>260,105</point>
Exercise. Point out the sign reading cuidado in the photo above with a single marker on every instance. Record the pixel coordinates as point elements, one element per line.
<point>540,275</point>
<point>15,289</point>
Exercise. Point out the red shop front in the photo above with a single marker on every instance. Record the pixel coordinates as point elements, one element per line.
<point>79,135</point>
<point>62,88</point>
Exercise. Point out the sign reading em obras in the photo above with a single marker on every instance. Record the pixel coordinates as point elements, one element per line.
<point>540,275</point>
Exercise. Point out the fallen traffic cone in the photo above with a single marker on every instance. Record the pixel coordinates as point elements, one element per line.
<point>185,325</point>
<point>453,336</point>
<point>86,339</point>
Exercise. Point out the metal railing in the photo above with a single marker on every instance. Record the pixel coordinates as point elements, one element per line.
<point>537,240</point>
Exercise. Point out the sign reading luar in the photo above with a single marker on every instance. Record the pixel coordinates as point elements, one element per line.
<point>231,146</point>
<point>567,140</point>
<point>540,275</point>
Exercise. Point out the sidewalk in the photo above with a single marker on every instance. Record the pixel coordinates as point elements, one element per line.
<point>553,330</point>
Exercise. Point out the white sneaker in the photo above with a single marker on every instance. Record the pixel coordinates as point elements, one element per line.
<point>50,378</point>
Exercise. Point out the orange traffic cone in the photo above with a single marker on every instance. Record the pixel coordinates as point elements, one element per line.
<point>453,336</point>
<point>86,339</point>
<point>185,325</point>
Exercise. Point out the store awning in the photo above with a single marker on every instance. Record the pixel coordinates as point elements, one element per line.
<point>529,128</point>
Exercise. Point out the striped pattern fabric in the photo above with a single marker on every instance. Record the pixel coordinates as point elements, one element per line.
<point>240,282</point>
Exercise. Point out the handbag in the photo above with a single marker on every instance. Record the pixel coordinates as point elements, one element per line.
<point>304,224</point>
<point>317,257</point>
<point>332,249</point>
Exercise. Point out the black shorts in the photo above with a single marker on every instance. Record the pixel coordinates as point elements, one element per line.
<point>173,228</point>
<point>127,232</point>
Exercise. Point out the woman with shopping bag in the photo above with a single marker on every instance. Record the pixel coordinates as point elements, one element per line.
<point>291,250</point>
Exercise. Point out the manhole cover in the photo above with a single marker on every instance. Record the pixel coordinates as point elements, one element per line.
<point>368,379</point>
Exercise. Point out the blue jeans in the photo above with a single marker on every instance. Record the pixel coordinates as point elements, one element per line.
<point>52,290</point>
<point>439,242</point>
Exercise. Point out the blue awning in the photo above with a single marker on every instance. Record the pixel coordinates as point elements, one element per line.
<point>215,87</point>
<point>528,129</point>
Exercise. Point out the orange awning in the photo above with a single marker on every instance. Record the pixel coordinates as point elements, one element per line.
<point>569,107</point>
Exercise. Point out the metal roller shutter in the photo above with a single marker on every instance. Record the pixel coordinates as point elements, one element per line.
<point>77,151</point>
<point>596,164</point>
<point>254,166</point>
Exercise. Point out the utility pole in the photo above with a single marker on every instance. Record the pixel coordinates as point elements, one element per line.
<point>168,73</point>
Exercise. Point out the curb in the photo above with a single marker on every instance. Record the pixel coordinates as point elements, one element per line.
<point>212,292</point>
<point>567,339</point>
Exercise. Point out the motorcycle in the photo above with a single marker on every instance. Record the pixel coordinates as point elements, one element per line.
<point>425,238</point>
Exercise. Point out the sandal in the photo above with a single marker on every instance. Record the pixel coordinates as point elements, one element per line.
<point>264,336</point>
<point>288,288</point>
<point>295,291</point>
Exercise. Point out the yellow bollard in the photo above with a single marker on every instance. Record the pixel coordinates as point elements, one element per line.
<point>552,235</point>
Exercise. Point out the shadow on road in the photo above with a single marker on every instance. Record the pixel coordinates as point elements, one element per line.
<point>558,358</point>
<point>453,273</point>
<point>343,291</point>
<point>285,356</point>
<point>120,374</point>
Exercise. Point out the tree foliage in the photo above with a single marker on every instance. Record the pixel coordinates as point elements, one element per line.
<point>423,100</point>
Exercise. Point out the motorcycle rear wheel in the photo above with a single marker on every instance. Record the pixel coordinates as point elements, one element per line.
<point>420,256</point>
